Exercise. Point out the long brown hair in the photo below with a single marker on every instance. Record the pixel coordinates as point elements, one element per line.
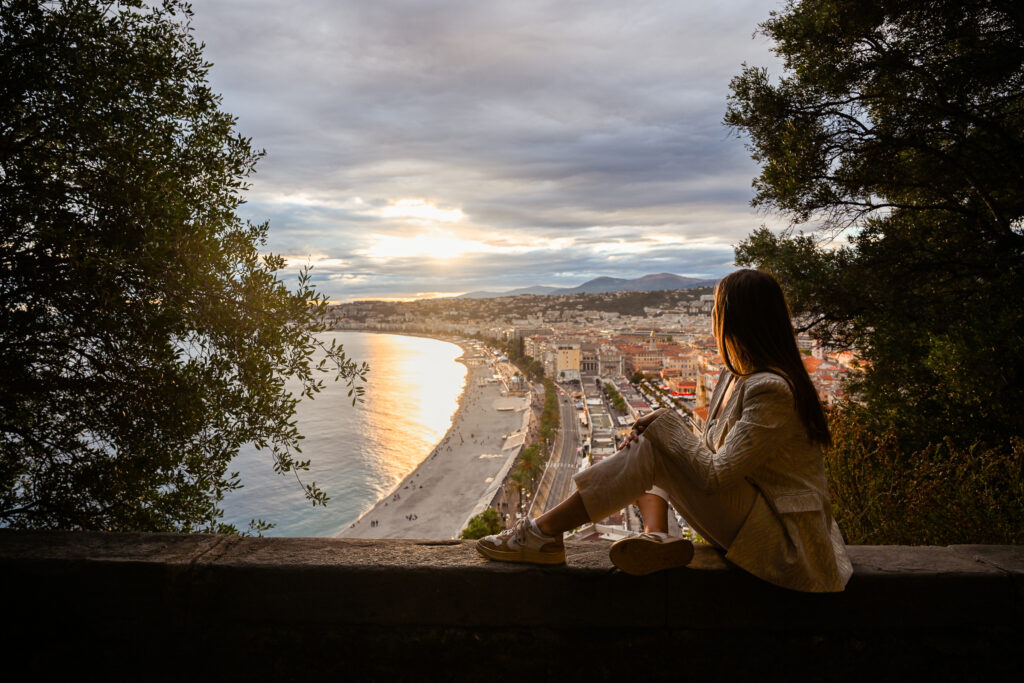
<point>755,334</point>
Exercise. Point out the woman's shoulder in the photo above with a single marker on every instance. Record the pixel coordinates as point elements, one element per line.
<point>768,380</point>
<point>767,387</point>
<point>770,394</point>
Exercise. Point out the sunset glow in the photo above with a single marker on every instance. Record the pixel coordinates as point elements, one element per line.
<point>436,245</point>
<point>419,209</point>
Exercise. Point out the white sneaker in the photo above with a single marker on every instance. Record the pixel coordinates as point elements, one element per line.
<point>521,543</point>
<point>648,553</point>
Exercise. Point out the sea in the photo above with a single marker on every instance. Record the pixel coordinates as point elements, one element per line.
<point>358,453</point>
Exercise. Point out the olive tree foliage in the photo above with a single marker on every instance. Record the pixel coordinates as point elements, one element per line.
<point>899,125</point>
<point>144,336</point>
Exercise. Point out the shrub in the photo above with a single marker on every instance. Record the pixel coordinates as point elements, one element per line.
<point>486,523</point>
<point>940,495</point>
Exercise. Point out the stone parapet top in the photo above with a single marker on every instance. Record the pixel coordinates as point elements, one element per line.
<point>584,557</point>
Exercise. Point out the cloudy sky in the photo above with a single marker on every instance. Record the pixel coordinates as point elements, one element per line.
<point>419,147</point>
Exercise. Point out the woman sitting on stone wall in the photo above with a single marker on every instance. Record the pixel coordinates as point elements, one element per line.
<point>753,483</point>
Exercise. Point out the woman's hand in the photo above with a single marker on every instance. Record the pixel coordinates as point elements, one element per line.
<point>641,424</point>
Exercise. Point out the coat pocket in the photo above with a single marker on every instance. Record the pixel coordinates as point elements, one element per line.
<point>798,501</point>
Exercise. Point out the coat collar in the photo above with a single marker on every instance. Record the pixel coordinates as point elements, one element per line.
<point>718,393</point>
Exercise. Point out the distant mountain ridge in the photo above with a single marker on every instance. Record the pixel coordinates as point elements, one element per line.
<point>603,285</point>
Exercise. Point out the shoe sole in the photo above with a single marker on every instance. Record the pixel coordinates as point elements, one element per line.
<point>527,556</point>
<point>640,556</point>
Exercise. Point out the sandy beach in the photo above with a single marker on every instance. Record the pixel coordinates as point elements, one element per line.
<point>461,475</point>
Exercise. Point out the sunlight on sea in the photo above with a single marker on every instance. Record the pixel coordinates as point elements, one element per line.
<point>358,453</point>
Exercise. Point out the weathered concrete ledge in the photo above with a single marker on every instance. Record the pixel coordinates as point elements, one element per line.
<point>166,606</point>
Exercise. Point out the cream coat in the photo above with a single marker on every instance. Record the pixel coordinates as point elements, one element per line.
<point>789,538</point>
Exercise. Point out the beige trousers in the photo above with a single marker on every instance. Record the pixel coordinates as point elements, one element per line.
<point>617,481</point>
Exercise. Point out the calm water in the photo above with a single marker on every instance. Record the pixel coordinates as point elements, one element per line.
<point>359,453</point>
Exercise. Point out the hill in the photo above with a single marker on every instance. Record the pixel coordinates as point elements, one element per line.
<point>601,285</point>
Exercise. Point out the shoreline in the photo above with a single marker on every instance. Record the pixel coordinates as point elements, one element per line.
<point>459,401</point>
<point>462,470</point>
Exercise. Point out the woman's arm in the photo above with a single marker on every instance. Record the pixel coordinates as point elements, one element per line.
<point>642,423</point>
<point>763,427</point>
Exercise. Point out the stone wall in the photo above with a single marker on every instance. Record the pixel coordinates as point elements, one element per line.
<point>94,606</point>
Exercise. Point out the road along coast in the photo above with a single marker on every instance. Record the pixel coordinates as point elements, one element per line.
<point>462,473</point>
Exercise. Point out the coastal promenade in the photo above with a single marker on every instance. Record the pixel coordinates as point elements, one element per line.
<point>437,498</point>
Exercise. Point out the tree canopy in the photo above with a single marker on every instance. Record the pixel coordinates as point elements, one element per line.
<point>899,124</point>
<point>889,105</point>
<point>144,336</point>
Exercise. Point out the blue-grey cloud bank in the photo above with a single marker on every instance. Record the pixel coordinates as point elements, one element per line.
<point>421,148</point>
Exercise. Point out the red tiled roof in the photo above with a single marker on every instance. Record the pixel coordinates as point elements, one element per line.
<point>811,364</point>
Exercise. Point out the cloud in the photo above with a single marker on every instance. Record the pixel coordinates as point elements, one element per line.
<point>421,210</point>
<point>533,134</point>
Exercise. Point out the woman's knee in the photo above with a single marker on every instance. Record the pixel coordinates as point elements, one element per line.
<point>645,450</point>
